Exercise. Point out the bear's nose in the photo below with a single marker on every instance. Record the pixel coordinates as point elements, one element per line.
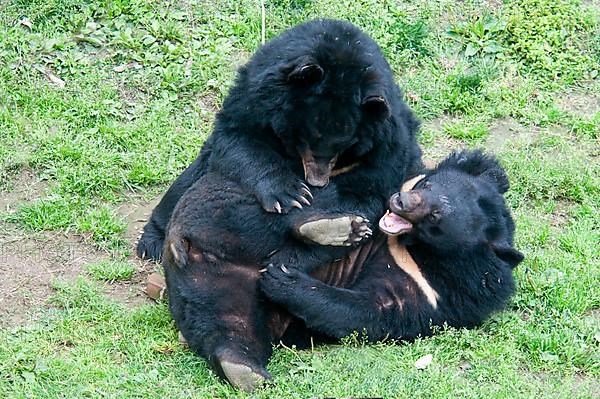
<point>405,202</point>
<point>396,202</point>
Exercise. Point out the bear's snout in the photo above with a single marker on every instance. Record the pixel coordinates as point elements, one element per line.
<point>405,202</point>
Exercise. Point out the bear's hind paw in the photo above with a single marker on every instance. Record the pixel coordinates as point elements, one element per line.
<point>339,231</point>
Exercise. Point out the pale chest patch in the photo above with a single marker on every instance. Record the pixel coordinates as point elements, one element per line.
<point>405,262</point>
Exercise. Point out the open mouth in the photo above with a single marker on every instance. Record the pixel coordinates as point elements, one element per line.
<point>392,224</point>
<point>317,172</point>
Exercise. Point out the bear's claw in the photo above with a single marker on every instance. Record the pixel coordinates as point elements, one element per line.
<point>150,245</point>
<point>280,195</point>
<point>242,376</point>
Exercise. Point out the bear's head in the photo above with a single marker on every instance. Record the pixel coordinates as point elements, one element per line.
<point>457,207</point>
<point>325,91</point>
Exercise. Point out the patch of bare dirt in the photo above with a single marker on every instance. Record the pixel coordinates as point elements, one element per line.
<point>506,130</point>
<point>25,187</point>
<point>131,293</point>
<point>137,213</point>
<point>594,314</point>
<point>133,99</point>
<point>502,132</point>
<point>29,263</point>
<point>582,385</point>
<point>493,5</point>
<point>209,104</point>
<point>584,104</point>
<point>560,215</point>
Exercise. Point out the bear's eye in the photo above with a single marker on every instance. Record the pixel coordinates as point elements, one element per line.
<point>427,185</point>
<point>210,257</point>
<point>434,216</point>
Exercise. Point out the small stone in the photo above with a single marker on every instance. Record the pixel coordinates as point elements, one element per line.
<point>464,365</point>
<point>156,287</point>
<point>25,22</point>
<point>424,362</point>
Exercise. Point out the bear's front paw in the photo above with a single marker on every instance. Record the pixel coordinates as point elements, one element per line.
<point>278,281</point>
<point>150,244</point>
<point>339,231</point>
<point>280,195</point>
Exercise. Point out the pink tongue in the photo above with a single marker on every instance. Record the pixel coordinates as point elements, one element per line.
<point>391,223</point>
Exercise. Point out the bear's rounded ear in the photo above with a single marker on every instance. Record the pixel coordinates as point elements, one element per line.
<point>376,105</point>
<point>307,72</point>
<point>508,254</point>
<point>477,163</point>
<point>498,177</point>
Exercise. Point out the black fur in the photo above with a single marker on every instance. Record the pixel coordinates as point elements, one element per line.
<point>219,237</point>
<point>320,92</point>
<point>462,243</point>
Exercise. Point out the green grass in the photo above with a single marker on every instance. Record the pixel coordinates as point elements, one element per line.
<point>111,270</point>
<point>95,347</point>
<point>142,82</point>
<point>469,134</point>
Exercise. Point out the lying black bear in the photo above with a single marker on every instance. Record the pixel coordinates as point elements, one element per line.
<point>318,97</point>
<point>447,258</point>
<point>461,238</point>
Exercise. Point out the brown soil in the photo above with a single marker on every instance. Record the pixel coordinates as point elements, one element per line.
<point>136,213</point>
<point>132,292</point>
<point>583,104</point>
<point>502,132</point>
<point>31,261</point>
<point>25,187</point>
<point>505,131</point>
<point>560,215</point>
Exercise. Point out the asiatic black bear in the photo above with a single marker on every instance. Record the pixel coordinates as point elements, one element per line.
<point>447,257</point>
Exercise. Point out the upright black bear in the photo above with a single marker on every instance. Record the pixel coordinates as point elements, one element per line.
<point>317,100</point>
<point>454,224</point>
